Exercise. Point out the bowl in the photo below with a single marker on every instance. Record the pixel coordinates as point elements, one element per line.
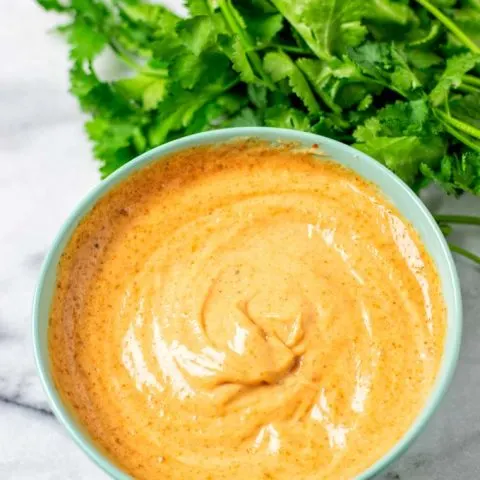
<point>393,188</point>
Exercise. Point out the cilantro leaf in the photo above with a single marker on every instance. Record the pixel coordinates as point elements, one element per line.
<point>403,77</point>
<point>388,12</point>
<point>86,40</point>
<point>257,95</point>
<point>114,140</point>
<point>246,118</point>
<point>54,5</point>
<point>403,155</point>
<point>397,79</point>
<point>408,118</point>
<point>387,65</point>
<point>242,50</point>
<point>280,66</point>
<point>180,107</point>
<point>241,62</point>
<point>286,117</point>
<point>147,89</point>
<point>96,97</point>
<point>457,173</point>
<point>452,76</point>
<point>157,17</point>
<point>337,25</point>
<point>423,59</point>
<point>333,126</point>
<point>199,7</point>
<point>260,19</point>
<point>320,75</point>
<point>197,33</point>
<point>403,136</point>
<point>328,27</point>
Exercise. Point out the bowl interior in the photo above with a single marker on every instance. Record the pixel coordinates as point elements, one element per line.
<point>394,189</point>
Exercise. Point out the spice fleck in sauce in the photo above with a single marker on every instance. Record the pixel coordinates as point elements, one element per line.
<point>245,311</point>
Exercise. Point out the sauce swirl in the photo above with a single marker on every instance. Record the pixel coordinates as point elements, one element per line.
<point>246,311</point>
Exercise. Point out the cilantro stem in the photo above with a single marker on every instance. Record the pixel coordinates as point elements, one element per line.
<point>467,41</point>
<point>230,16</point>
<point>462,138</point>
<point>160,73</point>
<point>433,32</point>
<point>445,228</point>
<point>465,87</point>
<point>465,253</point>
<point>471,79</point>
<point>459,125</point>
<point>460,219</point>
<point>328,102</point>
<point>127,60</point>
<point>361,78</point>
<point>384,84</point>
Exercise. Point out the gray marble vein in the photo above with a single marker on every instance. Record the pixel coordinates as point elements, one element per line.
<point>46,167</point>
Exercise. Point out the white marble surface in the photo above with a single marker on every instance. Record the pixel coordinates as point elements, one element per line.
<point>46,167</point>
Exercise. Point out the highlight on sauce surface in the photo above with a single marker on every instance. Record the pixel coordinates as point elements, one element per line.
<point>246,311</point>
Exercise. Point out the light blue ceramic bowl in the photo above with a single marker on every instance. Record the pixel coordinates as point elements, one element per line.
<point>404,199</point>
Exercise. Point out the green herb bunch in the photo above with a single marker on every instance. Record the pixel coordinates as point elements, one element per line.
<point>397,79</point>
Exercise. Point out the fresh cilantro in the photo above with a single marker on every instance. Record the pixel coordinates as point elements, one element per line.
<point>403,136</point>
<point>280,67</point>
<point>328,27</point>
<point>287,117</point>
<point>398,79</point>
<point>246,118</point>
<point>387,65</point>
<point>148,90</point>
<point>457,174</point>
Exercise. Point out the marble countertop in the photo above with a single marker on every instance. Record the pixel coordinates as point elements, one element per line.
<point>47,167</point>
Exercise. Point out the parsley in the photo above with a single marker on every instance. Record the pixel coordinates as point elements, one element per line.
<point>399,80</point>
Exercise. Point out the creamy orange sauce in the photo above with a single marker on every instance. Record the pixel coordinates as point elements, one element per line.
<point>246,312</point>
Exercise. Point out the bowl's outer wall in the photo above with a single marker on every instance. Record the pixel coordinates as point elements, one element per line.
<point>394,189</point>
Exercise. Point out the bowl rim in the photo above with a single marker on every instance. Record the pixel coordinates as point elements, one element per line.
<point>452,348</point>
